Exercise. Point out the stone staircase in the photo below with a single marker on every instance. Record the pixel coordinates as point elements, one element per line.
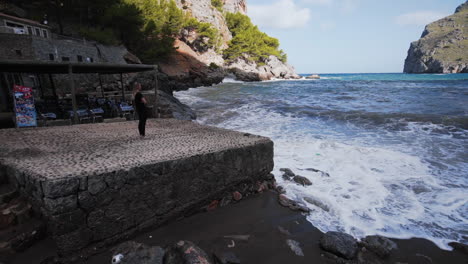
<point>20,228</point>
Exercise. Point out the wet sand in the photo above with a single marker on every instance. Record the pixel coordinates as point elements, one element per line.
<point>259,217</point>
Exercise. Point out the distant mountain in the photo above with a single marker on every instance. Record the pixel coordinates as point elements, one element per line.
<point>443,46</point>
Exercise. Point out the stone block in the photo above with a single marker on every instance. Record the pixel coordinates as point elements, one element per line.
<point>61,205</point>
<point>60,188</point>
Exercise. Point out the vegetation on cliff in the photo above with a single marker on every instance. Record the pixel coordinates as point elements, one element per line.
<point>148,28</point>
<point>249,42</point>
<point>443,47</point>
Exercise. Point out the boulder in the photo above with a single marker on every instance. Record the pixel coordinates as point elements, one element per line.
<point>287,172</point>
<point>340,244</point>
<point>380,245</point>
<point>185,252</point>
<point>302,180</point>
<point>459,247</point>
<point>131,252</point>
<point>293,205</point>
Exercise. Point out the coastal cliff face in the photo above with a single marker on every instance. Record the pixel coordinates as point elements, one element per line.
<point>443,47</point>
<point>192,66</point>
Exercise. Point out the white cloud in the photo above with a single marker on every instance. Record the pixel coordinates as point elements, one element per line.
<point>419,18</point>
<point>318,2</point>
<point>282,14</point>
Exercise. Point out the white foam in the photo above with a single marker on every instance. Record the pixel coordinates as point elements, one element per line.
<point>372,189</point>
<point>231,80</point>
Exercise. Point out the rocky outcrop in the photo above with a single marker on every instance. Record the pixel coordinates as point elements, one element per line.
<point>195,65</point>
<point>249,71</point>
<point>443,47</point>
<point>235,6</point>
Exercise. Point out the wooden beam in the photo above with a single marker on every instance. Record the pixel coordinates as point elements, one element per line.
<point>156,96</point>
<point>102,87</point>
<point>73,92</point>
<point>122,86</point>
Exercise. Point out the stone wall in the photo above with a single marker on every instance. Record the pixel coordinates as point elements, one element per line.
<point>39,48</point>
<point>10,43</point>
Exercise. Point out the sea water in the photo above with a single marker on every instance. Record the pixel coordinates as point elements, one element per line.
<point>393,148</point>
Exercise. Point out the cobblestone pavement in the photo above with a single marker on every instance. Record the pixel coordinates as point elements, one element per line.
<point>91,149</point>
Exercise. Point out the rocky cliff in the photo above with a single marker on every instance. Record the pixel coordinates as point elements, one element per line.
<point>191,66</point>
<point>443,47</point>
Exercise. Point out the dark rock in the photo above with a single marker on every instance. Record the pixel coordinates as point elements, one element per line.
<point>459,247</point>
<point>185,252</point>
<point>322,173</point>
<point>340,244</point>
<point>225,258</point>
<point>287,172</point>
<point>280,190</point>
<point>293,205</point>
<point>302,180</point>
<point>237,196</point>
<point>317,202</point>
<point>380,245</point>
<point>226,200</point>
<point>131,252</point>
<point>178,109</point>
<point>365,256</point>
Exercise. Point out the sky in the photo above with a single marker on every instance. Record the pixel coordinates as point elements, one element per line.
<point>347,36</point>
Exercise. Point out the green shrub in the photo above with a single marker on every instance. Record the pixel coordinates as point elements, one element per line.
<point>249,42</point>
<point>213,66</point>
<point>218,4</point>
<point>104,36</point>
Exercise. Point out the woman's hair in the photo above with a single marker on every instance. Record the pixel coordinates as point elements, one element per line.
<point>136,87</point>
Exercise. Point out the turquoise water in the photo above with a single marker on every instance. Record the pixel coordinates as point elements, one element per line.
<point>393,77</point>
<point>395,147</point>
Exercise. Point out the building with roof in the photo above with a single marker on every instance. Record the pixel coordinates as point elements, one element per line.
<point>27,40</point>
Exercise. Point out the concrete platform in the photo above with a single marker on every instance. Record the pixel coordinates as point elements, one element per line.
<point>98,183</point>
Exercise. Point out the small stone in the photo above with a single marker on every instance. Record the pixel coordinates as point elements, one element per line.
<point>280,189</point>
<point>295,247</point>
<point>284,231</point>
<point>213,205</point>
<point>237,196</point>
<point>380,245</point>
<point>302,180</point>
<point>340,244</point>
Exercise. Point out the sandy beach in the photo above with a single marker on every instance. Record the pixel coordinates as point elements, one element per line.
<point>268,226</point>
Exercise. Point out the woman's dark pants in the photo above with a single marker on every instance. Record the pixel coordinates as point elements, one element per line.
<point>142,122</point>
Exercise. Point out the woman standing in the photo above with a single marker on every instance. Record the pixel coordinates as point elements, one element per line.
<point>140,105</point>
